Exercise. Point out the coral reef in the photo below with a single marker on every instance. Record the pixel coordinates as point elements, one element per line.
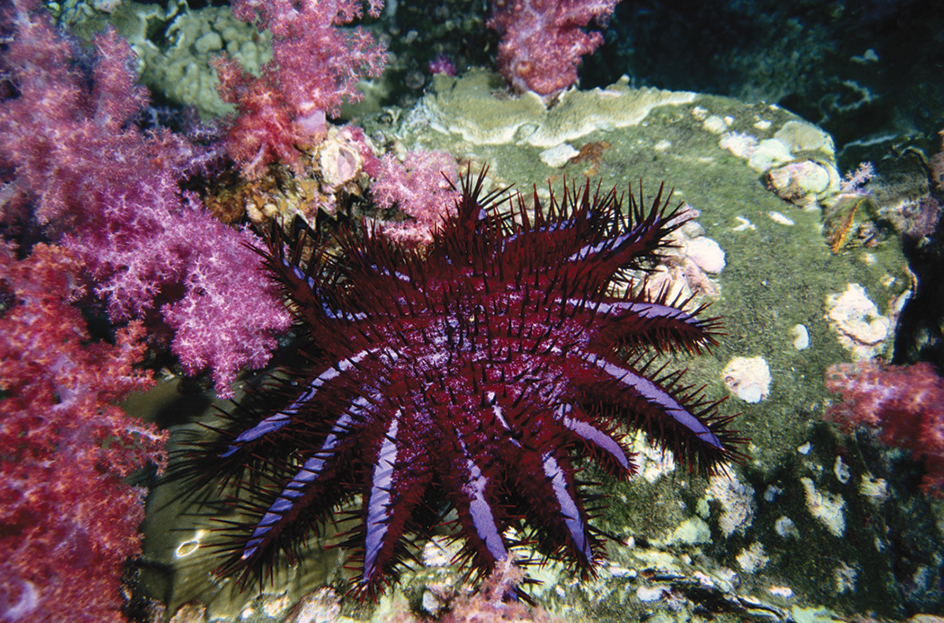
<point>904,403</point>
<point>81,172</point>
<point>69,520</point>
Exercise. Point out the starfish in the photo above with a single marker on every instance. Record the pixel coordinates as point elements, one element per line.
<point>478,375</point>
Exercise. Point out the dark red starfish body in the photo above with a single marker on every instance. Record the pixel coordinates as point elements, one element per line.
<point>474,375</point>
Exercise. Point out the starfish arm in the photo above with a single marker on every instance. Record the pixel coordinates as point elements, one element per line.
<point>311,303</point>
<point>472,493</point>
<point>544,482</point>
<point>380,508</point>
<point>311,488</point>
<point>608,243</point>
<point>401,472</point>
<point>272,429</point>
<point>597,439</point>
<point>657,404</point>
<point>656,323</point>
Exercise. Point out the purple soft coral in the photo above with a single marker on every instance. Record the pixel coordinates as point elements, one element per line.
<point>84,172</point>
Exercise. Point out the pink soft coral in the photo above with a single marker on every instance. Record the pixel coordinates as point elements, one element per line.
<point>69,521</point>
<point>543,41</point>
<point>223,315</point>
<point>315,67</point>
<point>421,187</point>
<point>81,170</point>
<point>905,403</point>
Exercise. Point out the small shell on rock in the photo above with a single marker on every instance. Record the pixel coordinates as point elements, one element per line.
<point>748,378</point>
<point>706,253</point>
<point>783,219</point>
<point>850,222</point>
<point>800,182</point>
<point>340,158</point>
<point>801,337</point>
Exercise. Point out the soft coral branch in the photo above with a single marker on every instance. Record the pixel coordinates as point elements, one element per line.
<point>421,186</point>
<point>78,166</point>
<point>904,403</point>
<point>315,67</point>
<point>68,519</point>
<point>543,41</point>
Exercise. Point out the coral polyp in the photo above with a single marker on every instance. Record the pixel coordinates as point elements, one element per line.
<point>477,375</point>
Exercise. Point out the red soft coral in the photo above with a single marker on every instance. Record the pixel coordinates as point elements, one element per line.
<point>906,404</point>
<point>543,40</point>
<point>315,67</point>
<point>68,519</point>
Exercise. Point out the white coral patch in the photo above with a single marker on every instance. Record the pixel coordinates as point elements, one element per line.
<point>653,462</point>
<point>748,378</point>
<point>715,124</point>
<point>781,591</point>
<point>841,470</point>
<point>752,558</point>
<point>861,328</point>
<point>558,156</point>
<point>769,153</point>
<point>875,490</point>
<point>738,143</point>
<point>706,253</point>
<point>845,578</point>
<point>785,527</point>
<point>649,594</point>
<point>737,502</point>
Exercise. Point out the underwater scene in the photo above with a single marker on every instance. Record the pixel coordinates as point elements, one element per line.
<point>555,311</point>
